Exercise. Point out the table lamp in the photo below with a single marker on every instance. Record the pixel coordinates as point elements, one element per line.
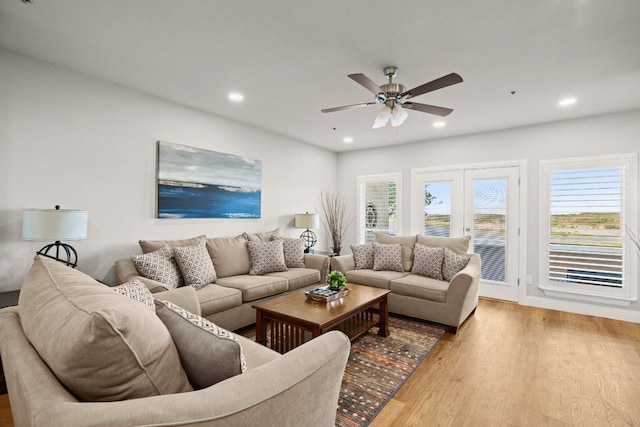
<point>58,225</point>
<point>308,221</point>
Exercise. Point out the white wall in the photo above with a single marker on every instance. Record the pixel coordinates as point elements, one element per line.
<point>82,143</point>
<point>609,134</point>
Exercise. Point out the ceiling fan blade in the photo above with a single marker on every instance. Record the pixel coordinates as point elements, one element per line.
<point>366,82</point>
<point>431,109</point>
<point>448,80</point>
<point>347,107</point>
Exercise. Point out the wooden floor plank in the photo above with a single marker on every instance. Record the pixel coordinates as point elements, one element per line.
<point>511,365</point>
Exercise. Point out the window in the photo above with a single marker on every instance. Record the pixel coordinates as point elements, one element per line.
<point>587,207</point>
<point>379,206</point>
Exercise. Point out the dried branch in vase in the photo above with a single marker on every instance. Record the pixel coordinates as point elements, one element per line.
<point>336,220</point>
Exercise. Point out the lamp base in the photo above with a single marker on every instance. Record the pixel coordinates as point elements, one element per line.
<point>310,240</point>
<point>72,255</point>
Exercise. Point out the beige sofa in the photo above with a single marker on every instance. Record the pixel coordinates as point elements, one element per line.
<point>446,302</point>
<point>228,301</point>
<point>69,326</point>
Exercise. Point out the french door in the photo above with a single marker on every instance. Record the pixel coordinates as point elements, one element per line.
<point>479,202</point>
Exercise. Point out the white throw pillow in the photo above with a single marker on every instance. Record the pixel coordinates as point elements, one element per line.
<point>137,291</point>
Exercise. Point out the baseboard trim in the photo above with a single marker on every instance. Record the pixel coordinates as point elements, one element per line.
<point>581,308</point>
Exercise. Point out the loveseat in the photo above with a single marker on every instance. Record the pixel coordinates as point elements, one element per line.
<point>228,298</point>
<point>430,278</point>
<point>77,353</point>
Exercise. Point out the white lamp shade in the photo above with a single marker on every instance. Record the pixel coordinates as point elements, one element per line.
<point>398,116</point>
<point>382,118</point>
<point>307,220</point>
<point>54,224</point>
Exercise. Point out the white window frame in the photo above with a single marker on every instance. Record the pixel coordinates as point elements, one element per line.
<point>361,180</point>
<point>628,293</point>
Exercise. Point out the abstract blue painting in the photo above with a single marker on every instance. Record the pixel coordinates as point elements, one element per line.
<point>198,183</point>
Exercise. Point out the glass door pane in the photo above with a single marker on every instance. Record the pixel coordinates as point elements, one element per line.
<point>437,209</point>
<point>489,226</point>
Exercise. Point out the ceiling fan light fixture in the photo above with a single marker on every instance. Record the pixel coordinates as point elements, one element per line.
<point>382,118</point>
<point>398,116</point>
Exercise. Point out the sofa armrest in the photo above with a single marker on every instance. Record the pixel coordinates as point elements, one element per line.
<point>184,297</point>
<point>343,263</point>
<point>318,262</point>
<point>467,279</point>
<point>126,270</point>
<point>276,393</point>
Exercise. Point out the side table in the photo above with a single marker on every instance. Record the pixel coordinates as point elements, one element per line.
<point>7,299</point>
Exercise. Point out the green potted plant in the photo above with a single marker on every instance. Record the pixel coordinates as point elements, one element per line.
<point>336,280</point>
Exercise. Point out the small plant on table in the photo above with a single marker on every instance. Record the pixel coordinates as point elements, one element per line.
<point>336,280</point>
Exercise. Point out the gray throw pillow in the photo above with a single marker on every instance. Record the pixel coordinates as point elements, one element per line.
<point>387,257</point>
<point>208,353</point>
<point>428,261</point>
<point>266,257</point>
<point>195,264</point>
<point>293,251</point>
<point>453,263</point>
<point>363,256</point>
<point>159,266</point>
<point>137,291</point>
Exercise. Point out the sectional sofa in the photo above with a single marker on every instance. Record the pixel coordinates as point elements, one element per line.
<point>227,301</point>
<point>430,278</point>
<point>79,353</point>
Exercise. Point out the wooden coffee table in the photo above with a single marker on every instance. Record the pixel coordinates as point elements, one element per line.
<point>292,315</point>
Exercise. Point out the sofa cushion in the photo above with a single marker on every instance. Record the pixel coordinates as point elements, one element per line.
<point>299,277</point>
<point>428,261</point>
<point>101,346</point>
<point>266,257</point>
<point>453,263</point>
<point>293,251</point>
<point>262,237</point>
<point>154,245</point>
<point>459,245</point>
<point>209,354</point>
<point>363,255</point>
<point>215,298</point>
<point>229,255</point>
<point>387,257</point>
<point>195,265</point>
<point>420,287</point>
<point>255,287</point>
<point>407,242</point>
<point>376,279</point>
<point>137,291</point>
<point>160,266</point>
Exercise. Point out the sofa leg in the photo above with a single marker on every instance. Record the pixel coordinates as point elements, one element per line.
<point>452,329</point>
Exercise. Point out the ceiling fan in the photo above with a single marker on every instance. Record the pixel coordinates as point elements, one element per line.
<point>395,97</point>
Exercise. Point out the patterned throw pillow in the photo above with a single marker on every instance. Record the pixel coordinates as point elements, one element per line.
<point>208,353</point>
<point>195,264</point>
<point>137,291</point>
<point>363,256</point>
<point>266,257</point>
<point>428,261</point>
<point>387,257</point>
<point>159,266</point>
<point>293,251</point>
<point>453,263</point>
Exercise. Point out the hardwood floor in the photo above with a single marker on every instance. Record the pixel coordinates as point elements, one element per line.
<point>511,365</point>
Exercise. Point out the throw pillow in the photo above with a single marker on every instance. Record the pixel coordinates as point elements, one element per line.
<point>137,291</point>
<point>453,263</point>
<point>363,256</point>
<point>100,346</point>
<point>195,264</point>
<point>428,261</point>
<point>293,251</point>
<point>159,266</point>
<point>266,257</point>
<point>209,354</point>
<point>407,242</point>
<point>387,257</point>
<point>459,245</point>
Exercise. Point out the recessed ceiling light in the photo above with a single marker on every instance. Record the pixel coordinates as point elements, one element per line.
<point>236,97</point>
<point>439,124</point>
<point>566,101</point>
<point>347,140</point>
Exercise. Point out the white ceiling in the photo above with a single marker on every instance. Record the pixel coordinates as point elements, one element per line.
<point>290,58</point>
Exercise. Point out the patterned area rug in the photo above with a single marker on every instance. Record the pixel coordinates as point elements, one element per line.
<point>379,366</point>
